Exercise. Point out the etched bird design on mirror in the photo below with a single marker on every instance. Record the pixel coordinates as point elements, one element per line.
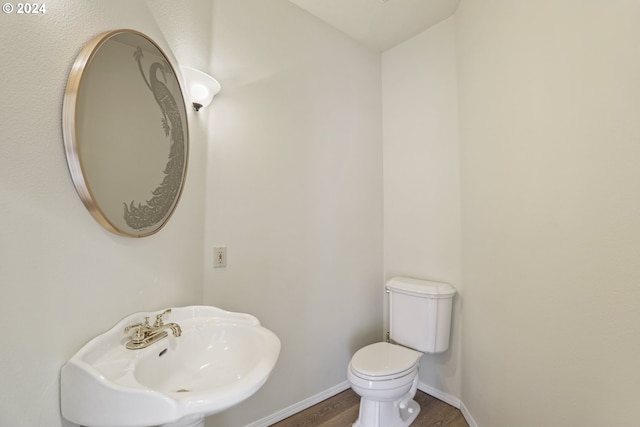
<point>154,210</point>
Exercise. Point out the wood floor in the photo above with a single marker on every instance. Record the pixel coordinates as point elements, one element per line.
<point>341,410</point>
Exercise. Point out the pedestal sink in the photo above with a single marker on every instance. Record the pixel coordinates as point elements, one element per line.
<point>220,359</point>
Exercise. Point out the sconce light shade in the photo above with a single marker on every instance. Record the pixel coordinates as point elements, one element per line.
<point>201,87</point>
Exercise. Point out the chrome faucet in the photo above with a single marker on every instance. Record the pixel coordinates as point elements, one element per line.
<point>144,334</point>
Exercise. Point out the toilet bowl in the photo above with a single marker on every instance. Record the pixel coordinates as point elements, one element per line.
<point>385,374</point>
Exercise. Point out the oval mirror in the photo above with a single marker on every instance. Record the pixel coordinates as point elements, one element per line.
<point>125,132</point>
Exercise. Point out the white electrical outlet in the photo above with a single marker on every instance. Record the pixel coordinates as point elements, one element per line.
<point>219,256</point>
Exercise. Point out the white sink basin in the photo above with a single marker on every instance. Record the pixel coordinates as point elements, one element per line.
<point>220,359</point>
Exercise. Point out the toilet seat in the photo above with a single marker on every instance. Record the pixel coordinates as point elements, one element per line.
<point>383,361</point>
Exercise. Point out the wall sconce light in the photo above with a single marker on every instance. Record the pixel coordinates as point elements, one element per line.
<point>200,86</point>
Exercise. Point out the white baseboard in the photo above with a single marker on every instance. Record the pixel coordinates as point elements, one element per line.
<point>307,403</point>
<point>300,406</point>
<point>445,397</point>
<point>451,400</point>
<point>467,415</point>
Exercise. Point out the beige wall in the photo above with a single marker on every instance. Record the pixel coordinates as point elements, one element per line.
<point>294,190</point>
<point>422,178</point>
<point>549,95</point>
<point>63,279</point>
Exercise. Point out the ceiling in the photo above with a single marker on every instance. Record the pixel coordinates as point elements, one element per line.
<point>380,24</point>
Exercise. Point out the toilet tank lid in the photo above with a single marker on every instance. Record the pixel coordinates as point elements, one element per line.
<point>424,288</point>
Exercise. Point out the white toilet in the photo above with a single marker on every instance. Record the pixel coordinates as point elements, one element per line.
<point>385,375</point>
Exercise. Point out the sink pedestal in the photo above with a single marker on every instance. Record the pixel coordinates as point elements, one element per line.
<point>194,421</point>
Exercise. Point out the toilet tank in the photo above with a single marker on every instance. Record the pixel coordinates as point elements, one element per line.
<point>420,313</point>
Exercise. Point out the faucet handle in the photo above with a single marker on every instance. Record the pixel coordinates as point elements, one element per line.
<point>138,329</point>
<point>130,327</point>
<point>159,322</point>
<point>138,334</point>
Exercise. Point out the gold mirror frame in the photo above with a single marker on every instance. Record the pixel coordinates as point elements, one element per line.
<point>125,132</point>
